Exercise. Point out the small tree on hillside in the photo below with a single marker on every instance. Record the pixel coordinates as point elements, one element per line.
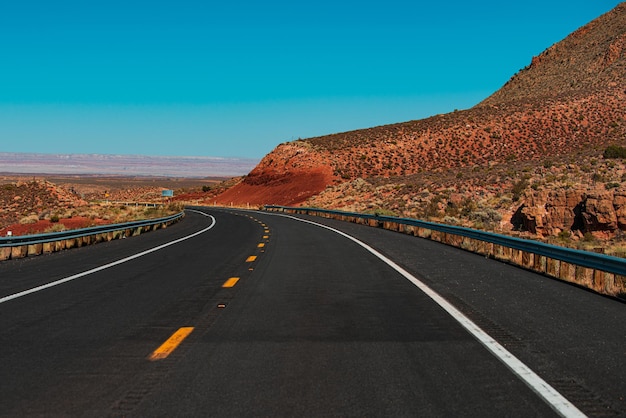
<point>614,151</point>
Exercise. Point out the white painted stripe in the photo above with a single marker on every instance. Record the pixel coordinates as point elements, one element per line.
<point>550,395</point>
<point>106,266</point>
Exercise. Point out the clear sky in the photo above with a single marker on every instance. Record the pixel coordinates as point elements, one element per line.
<point>236,78</point>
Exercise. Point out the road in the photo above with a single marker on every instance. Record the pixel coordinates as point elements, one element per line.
<point>242,313</point>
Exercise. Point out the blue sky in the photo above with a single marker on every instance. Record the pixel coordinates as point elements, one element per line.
<point>236,78</point>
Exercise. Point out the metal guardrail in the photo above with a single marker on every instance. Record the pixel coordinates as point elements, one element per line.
<point>601,262</point>
<point>83,232</point>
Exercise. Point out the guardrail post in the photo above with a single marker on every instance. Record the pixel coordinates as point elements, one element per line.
<point>48,247</point>
<point>619,284</point>
<point>583,276</point>
<point>5,253</point>
<point>455,240</point>
<point>35,249</point>
<point>527,259</point>
<point>539,263</point>
<point>600,282</point>
<point>498,252</point>
<point>552,267</point>
<point>516,256</point>
<point>564,271</point>
<point>425,233</point>
<point>20,251</point>
<point>59,245</point>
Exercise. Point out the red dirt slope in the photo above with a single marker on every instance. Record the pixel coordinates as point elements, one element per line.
<point>290,175</point>
<point>44,224</point>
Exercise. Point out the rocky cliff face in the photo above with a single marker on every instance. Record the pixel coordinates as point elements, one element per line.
<point>596,211</point>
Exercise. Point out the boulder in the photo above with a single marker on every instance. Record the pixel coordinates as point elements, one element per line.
<point>592,210</point>
<point>598,212</point>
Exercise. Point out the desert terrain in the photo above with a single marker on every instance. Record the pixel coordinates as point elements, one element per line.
<point>37,203</point>
<point>539,158</point>
<point>543,158</point>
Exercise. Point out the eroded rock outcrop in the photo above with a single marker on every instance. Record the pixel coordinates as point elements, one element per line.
<point>548,212</point>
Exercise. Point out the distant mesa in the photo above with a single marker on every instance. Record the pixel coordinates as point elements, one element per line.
<point>127,165</point>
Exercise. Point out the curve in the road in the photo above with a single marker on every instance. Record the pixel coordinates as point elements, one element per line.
<point>109,265</point>
<point>550,395</point>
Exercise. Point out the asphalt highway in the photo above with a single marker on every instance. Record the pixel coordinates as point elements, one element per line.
<point>243,313</point>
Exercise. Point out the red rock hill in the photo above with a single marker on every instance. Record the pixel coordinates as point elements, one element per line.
<point>570,98</point>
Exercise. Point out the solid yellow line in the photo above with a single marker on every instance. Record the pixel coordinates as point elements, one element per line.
<point>261,245</point>
<point>251,259</point>
<point>231,282</point>
<point>171,344</point>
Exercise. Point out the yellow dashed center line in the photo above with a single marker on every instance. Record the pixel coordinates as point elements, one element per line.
<point>261,245</point>
<point>231,282</point>
<point>171,344</point>
<point>266,236</point>
<point>251,259</point>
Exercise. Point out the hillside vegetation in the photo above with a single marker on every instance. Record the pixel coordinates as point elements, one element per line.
<point>528,159</point>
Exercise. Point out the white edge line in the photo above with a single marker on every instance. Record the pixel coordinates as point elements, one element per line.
<point>106,266</point>
<point>544,390</point>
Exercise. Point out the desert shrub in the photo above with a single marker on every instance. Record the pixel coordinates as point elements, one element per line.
<point>518,189</point>
<point>55,228</point>
<point>598,177</point>
<point>206,188</point>
<point>451,220</point>
<point>149,212</point>
<point>468,206</point>
<point>564,235</point>
<point>380,212</point>
<point>488,217</point>
<point>30,219</point>
<point>611,185</point>
<point>588,237</point>
<point>175,207</point>
<point>433,207</point>
<point>54,218</point>
<point>614,151</point>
